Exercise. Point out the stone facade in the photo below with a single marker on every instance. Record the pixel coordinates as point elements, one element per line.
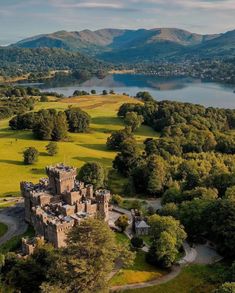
<point>57,203</point>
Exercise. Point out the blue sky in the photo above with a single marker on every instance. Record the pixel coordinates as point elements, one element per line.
<point>23,18</point>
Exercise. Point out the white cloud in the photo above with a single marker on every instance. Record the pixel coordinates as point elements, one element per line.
<point>88,4</point>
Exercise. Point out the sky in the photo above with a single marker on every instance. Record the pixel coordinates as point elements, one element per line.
<point>24,18</point>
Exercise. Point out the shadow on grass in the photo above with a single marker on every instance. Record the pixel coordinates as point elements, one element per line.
<point>39,171</point>
<point>106,120</point>
<point>102,161</point>
<point>11,194</point>
<point>44,154</point>
<point>97,147</point>
<point>12,162</point>
<point>101,130</point>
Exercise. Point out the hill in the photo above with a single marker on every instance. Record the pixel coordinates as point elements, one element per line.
<point>123,45</point>
<point>17,61</point>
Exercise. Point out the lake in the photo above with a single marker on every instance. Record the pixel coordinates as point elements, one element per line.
<point>177,89</point>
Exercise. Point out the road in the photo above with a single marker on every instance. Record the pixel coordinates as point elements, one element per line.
<point>13,217</point>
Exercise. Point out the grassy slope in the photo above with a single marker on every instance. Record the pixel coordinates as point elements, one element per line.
<point>83,148</point>
<point>139,272</point>
<point>192,279</point>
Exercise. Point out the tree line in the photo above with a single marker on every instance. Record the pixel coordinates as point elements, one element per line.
<point>51,124</point>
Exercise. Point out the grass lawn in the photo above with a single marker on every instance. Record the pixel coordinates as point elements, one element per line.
<point>129,204</point>
<point>15,242</point>
<point>139,272</point>
<point>3,229</point>
<point>193,279</point>
<point>122,238</point>
<point>83,147</point>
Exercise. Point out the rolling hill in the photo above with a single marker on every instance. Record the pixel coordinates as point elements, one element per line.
<point>115,45</point>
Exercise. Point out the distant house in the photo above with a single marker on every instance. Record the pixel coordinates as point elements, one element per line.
<point>139,224</point>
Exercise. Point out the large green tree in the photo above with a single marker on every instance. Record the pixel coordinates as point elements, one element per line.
<point>78,120</point>
<point>84,265</point>
<point>93,173</point>
<point>133,120</point>
<point>167,236</point>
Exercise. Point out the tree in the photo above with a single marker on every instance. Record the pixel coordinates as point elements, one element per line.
<point>30,155</point>
<point>93,173</point>
<point>137,242</point>
<point>93,92</point>
<point>78,120</point>
<point>89,258</point>
<point>52,148</point>
<point>220,225</point>
<point>171,195</point>
<point>167,236</point>
<point>104,93</point>
<point>117,199</point>
<point>117,138</point>
<point>169,209</point>
<point>60,127</point>
<point>122,222</point>
<point>125,161</point>
<point>27,274</point>
<point>133,120</point>
<point>50,125</point>
<point>145,96</point>
<point>44,98</point>
<point>230,193</point>
<point>226,288</point>
<point>192,215</point>
<point>157,172</point>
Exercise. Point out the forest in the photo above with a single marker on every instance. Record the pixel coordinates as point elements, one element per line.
<point>17,61</point>
<point>190,166</point>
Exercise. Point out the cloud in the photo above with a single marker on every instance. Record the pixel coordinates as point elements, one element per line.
<point>113,5</point>
<point>192,4</point>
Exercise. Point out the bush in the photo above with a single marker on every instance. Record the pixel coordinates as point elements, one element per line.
<point>44,98</point>
<point>122,222</point>
<point>117,199</point>
<point>52,148</point>
<point>137,242</point>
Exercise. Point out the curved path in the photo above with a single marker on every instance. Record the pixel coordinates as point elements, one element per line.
<point>13,217</point>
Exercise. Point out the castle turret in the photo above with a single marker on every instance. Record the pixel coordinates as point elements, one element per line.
<point>103,198</point>
<point>61,178</point>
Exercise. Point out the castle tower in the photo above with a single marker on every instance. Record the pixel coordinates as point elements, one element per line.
<point>61,178</point>
<point>103,198</point>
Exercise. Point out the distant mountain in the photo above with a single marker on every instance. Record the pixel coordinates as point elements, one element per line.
<point>115,45</point>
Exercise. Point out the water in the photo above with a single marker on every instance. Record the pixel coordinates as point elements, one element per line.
<point>177,89</point>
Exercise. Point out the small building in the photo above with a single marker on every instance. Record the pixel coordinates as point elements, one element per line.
<point>139,223</point>
<point>141,228</point>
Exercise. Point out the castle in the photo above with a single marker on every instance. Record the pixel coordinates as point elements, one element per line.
<point>57,203</point>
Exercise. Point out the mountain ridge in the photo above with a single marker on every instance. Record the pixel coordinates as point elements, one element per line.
<point>126,45</point>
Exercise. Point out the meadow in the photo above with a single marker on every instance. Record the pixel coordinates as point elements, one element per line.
<point>81,147</point>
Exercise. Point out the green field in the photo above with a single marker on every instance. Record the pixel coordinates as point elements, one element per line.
<point>82,147</point>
